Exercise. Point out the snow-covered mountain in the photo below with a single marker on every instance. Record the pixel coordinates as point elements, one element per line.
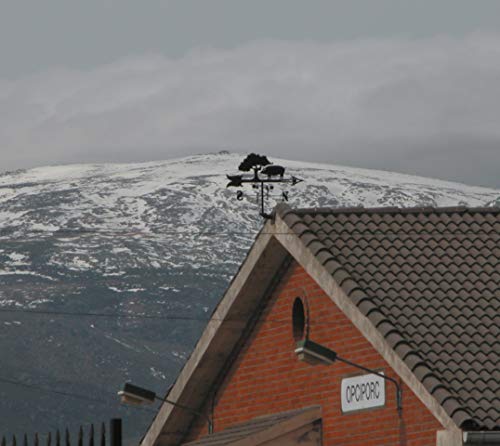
<point>157,239</point>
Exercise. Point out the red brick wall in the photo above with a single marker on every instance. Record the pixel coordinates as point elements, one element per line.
<point>267,377</point>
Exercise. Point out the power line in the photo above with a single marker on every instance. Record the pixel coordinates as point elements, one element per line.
<point>67,394</point>
<point>103,315</point>
<point>85,284</point>
<point>132,316</point>
<point>152,317</point>
<point>162,234</point>
<point>53,391</point>
<point>60,392</point>
<point>128,316</point>
<point>77,283</point>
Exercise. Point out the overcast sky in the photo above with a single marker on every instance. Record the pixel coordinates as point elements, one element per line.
<point>410,86</point>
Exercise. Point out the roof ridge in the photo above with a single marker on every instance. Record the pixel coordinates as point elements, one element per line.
<point>283,209</point>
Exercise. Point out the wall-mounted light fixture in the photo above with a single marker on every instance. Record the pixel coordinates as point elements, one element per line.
<point>314,353</point>
<point>138,396</point>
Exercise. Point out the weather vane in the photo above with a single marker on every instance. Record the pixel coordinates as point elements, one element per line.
<point>271,174</point>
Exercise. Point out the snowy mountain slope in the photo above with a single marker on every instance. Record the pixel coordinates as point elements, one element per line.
<point>157,238</point>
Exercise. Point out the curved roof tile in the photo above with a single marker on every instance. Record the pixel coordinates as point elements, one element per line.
<point>429,280</point>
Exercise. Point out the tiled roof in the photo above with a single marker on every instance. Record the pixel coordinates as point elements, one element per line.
<point>429,280</point>
<point>249,428</point>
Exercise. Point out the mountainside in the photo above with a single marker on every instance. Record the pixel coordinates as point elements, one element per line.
<point>158,239</point>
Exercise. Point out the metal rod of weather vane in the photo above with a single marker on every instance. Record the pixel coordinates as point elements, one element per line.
<point>399,391</point>
<point>189,409</point>
<point>262,213</point>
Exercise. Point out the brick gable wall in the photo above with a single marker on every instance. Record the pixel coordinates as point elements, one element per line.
<point>267,377</point>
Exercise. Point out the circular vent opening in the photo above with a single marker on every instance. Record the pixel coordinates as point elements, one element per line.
<point>298,319</point>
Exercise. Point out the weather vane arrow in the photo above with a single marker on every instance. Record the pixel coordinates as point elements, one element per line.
<point>265,175</point>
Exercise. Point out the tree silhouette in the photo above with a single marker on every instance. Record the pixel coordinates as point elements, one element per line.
<point>254,161</point>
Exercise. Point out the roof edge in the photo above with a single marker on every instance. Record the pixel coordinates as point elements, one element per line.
<point>283,210</point>
<point>301,418</point>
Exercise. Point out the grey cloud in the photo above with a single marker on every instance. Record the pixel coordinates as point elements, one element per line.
<point>427,107</point>
<point>36,35</point>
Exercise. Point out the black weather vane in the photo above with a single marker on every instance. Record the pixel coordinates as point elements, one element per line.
<point>271,174</point>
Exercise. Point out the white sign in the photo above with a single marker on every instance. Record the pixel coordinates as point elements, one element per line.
<point>362,392</point>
